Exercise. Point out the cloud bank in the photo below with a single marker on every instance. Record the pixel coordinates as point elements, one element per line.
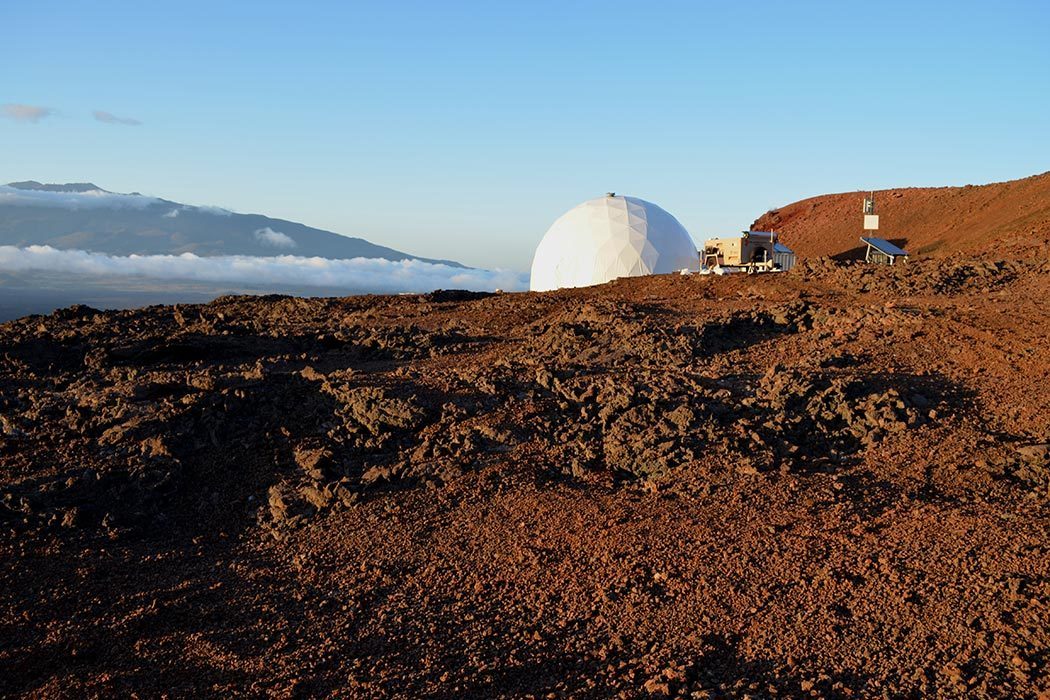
<point>371,274</point>
<point>208,209</point>
<point>275,239</point>
<point>26,113</point>
<point>204,209</point>
<point>94,199</point>
<point>114,119</point>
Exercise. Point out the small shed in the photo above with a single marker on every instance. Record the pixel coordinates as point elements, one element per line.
<point>783,257</point>
<point>882,252</point>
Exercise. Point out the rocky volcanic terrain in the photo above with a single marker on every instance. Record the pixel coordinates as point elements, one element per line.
<point>831,482</point>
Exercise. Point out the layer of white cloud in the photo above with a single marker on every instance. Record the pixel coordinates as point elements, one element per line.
<point>372,274</point>
<point>109,118</point>
<point>26,113</point>
<point>93,199</point>
<point>274,239</point>
<point>218,211</point>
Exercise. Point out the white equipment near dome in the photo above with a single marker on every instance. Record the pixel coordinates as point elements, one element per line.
<point>610,237</point>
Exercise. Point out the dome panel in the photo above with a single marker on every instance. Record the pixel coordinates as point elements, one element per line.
<point>609,237</point>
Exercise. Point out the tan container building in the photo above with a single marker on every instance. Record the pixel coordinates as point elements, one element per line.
<point>755,250</point>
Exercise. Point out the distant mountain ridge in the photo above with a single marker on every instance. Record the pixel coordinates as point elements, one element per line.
<point>84,216</point>
<point>67,187</point>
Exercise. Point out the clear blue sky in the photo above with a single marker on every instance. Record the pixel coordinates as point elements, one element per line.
<point>462,130</point>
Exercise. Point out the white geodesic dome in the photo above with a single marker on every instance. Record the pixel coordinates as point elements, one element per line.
<point>610,237</point>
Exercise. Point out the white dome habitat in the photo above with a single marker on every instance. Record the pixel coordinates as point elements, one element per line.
<point>610,237</point>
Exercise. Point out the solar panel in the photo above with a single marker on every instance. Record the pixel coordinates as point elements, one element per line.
<point>883,246</point>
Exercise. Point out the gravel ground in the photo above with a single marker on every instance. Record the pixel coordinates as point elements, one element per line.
<point>831,482</point>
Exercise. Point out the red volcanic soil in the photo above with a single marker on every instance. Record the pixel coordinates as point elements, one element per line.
<point>831,482</point>
<point>1004,219</point>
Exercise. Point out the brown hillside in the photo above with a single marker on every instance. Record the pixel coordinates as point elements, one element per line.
<point>1001,219</point>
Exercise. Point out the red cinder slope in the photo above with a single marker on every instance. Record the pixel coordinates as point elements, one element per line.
<point>1003,219</point>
